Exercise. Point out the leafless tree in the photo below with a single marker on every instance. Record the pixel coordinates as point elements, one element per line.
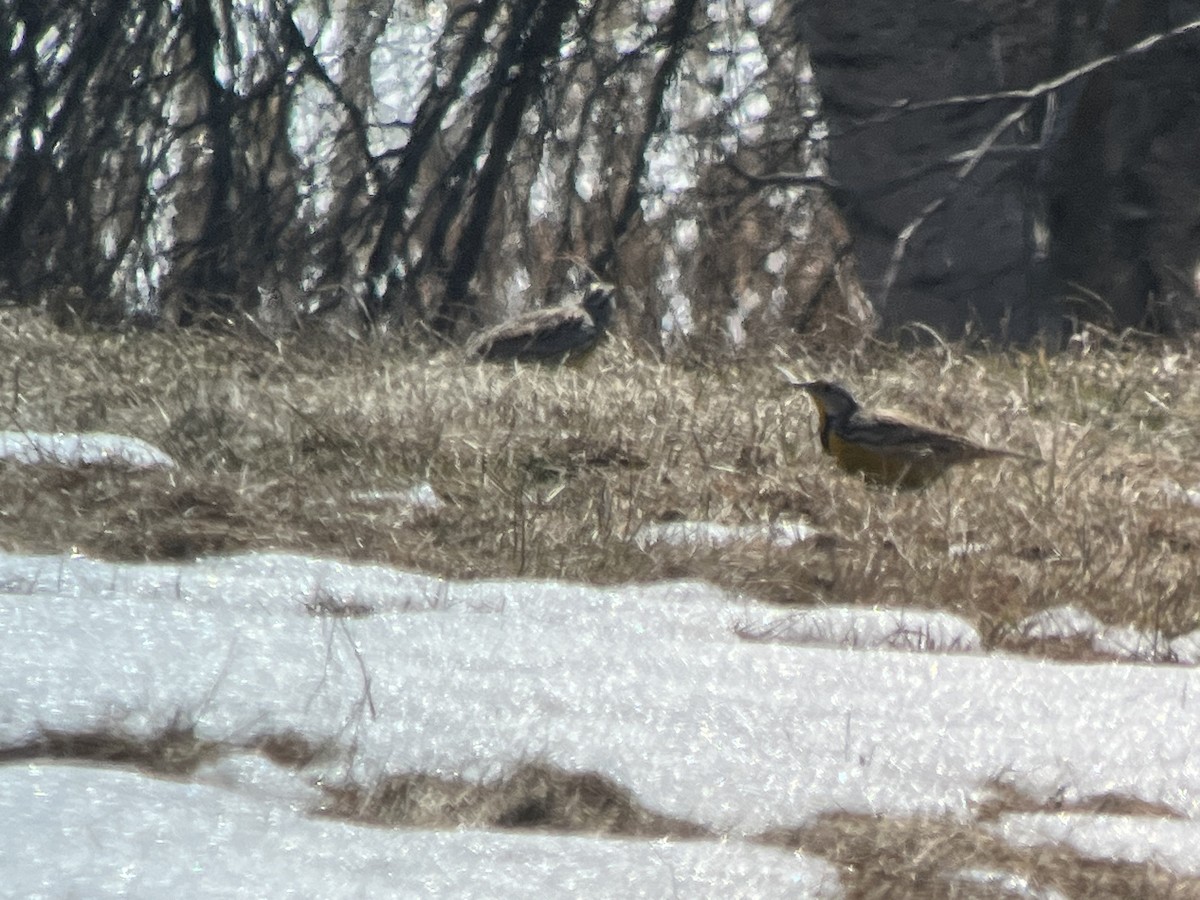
<point>446,164</point>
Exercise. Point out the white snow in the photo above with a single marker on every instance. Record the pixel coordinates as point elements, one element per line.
<point>88,449</point>
<point>1003,884</point>
<point>1176,491</point>
<point>1173,843</point>
<point>716,534</point>
<point>863,629</point>
<point>419,496</point>
<point>651,686</point>
<point>90,832</point>
<point>1117,641</point>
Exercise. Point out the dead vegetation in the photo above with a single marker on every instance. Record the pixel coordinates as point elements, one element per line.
<point>1001,796</point>
<point>928,858</point>
<point>547,472</point>
<point>948,858</point>
<point>536,795</point>
<point>550,473</point>
<point>922,858</point>
<point>175,750</point>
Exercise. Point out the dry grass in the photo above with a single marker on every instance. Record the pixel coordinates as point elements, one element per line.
<point>1001,796</point>
<point>536,796</point>
<point>174,751</point>
<point>550,472</point>
<point>921,858</point>
<point>945,859</point>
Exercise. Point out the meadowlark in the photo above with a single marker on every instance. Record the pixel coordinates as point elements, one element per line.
<point>554,334</point>
<point>887,448</point>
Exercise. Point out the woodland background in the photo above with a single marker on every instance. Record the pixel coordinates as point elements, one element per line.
<point>999,168</point>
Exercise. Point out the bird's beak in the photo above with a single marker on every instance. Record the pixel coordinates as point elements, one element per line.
<point>791,378</point>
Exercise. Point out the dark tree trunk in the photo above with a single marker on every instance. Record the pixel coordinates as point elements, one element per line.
<point>533,45</point>
<point>1122,185</point>
<point>937,239</point>
<point>1008,213</point>
<point>445,89</point>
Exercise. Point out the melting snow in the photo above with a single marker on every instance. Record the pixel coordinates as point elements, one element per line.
<point>96,832</point>
<point>73,450</point>
<point>1004,884</point>
<point>419,496</point>
<point>714,534</point>
<point>1118,641</point>
<point>1177,491</point>
<point>1173,843</point>
<point>650,686</point>
<point>862,629</point>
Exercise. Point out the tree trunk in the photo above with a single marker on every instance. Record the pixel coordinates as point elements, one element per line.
<point>1011,212</point>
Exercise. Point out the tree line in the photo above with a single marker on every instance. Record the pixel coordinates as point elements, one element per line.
<point>731,165</point>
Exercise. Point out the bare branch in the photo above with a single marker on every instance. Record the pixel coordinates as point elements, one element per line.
<point>791,179</point>
<point>1047,87</point>
<point>974,158</point>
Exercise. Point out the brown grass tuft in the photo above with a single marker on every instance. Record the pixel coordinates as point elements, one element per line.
<point>1001,796</point>
<point>535,795</point>
<point>174,751</point>
<point>941,859</point>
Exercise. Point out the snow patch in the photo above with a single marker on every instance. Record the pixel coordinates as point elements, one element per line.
<point>648,686</point>
<point>1177,491</point>
<point>715,534</point>
<point>1005,884</point>
<point>1064,623</point>
<point>74,450</point>
<point>92,832</point>
<point>419,496</point>
<point>1171,843</point>
<point>868,629</point>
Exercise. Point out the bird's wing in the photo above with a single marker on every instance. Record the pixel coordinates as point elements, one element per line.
<point>902,437</point>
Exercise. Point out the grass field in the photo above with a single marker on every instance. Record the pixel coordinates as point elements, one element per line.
<point>312,445</point>
<point>547,472</point>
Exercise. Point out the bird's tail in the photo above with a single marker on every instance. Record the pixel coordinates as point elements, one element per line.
<point>1000,453</point>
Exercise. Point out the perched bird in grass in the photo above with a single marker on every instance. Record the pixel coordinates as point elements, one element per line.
<point>887,448</point>
<point>554,334</point>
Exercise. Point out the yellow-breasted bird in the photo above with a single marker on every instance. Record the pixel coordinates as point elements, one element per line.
<point>887,448</point>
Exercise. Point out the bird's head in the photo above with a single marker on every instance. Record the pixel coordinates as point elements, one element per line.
<point>831,398</point>
<point>599,299</point>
